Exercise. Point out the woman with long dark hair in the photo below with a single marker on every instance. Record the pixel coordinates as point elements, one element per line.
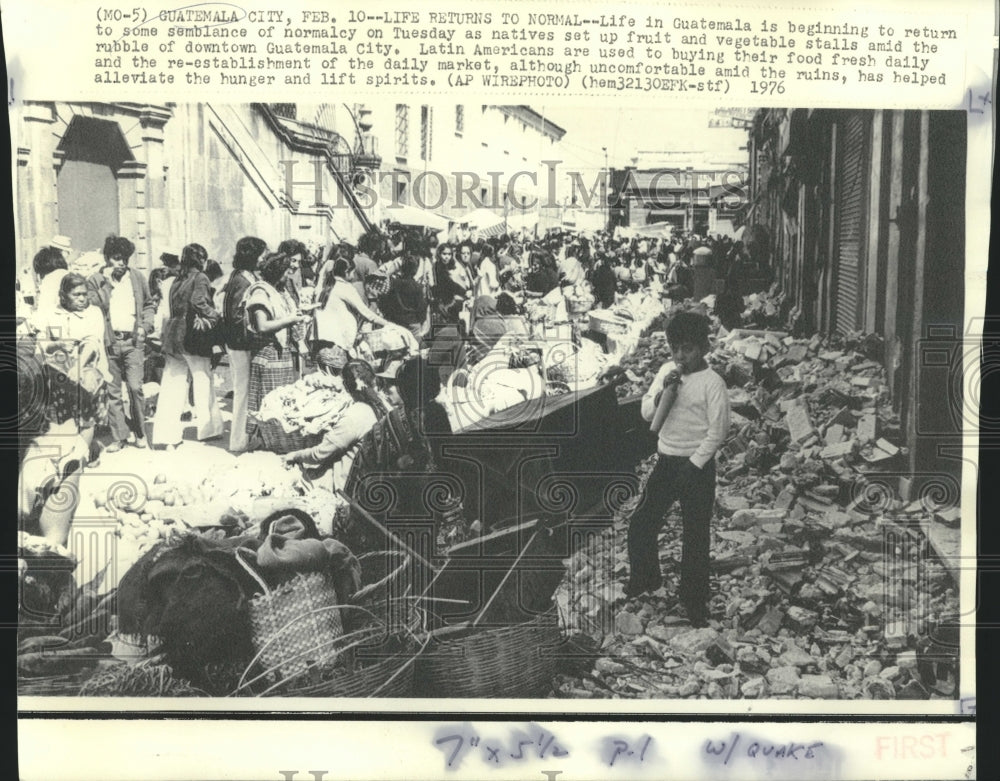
<point>340,442</point>
<point>191,313</point>
<point>342,310</point>
<point>239,341</point>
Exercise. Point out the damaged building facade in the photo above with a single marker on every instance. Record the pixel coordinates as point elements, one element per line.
<point>165,175</point>
<point>863,214</point>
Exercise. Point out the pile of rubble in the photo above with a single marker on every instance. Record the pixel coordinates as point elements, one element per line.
<point>824,584</point>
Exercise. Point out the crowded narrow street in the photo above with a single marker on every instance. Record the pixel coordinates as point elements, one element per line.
<point>689,440</point>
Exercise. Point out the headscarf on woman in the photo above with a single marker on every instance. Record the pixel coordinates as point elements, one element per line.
<point>488,328</point>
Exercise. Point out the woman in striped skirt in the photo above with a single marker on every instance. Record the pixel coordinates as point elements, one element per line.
<point>271,315</point>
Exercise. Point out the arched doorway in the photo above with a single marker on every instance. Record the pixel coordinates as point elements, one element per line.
<point>92,151</point>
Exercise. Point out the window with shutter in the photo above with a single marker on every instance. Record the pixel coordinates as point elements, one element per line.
<point>852,189</point>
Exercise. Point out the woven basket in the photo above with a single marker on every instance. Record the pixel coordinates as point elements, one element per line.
<point>279,441</point>
<point>390,676</point>
<point>295,626</point>
<point>511,661</point>
<point>382,598</point>
<point>146,679</point>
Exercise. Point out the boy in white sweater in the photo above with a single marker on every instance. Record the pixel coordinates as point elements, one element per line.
<point>691,401</point>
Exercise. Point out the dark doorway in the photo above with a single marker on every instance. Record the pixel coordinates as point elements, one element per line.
<point>93,152</point>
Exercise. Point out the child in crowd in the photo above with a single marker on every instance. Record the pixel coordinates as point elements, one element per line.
<point>691,401</point>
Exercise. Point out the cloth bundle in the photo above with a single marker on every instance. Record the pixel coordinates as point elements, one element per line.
<point>290,547</point>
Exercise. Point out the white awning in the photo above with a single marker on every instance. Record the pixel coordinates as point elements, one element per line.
<point>415,216</point>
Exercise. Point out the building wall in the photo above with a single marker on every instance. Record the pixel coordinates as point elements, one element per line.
<point>206,173</point>
<point>911,259</point>
<point>490,140</point>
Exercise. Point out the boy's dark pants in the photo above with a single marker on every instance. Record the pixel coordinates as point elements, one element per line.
<point>674,477</point>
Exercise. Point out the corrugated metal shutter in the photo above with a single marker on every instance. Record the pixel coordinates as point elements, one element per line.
<point>852,179</point>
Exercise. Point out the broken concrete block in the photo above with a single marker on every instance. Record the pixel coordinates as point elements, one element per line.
<point>874,667</point>
<point>819,686</point>
<point>866,428</point>
<point>694,641</point>
<point>783,680</point>
<point>834,433</point>
<point>690,689</point>
<point>889,673</point>
<point>793,656</point>
<point>877,688</point>
<point>628,624</point>
<point>836,519</point>
<point>795,354</point>
<point>838,450</point>
<point>845,657</point>
<point>800,426</point>
<point>740,538</point>
<point>802,619</point>
<point>609,667</point>
<point>770,623</point>
<point>720,652</point>
<point>785,500</point>
<point>729,503</point>
<point>753,350</point>
<point>665,633</point>
<point>753,688</point>
<point>951,516</point>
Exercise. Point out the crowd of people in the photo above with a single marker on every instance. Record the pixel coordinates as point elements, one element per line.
<point>97,331</point>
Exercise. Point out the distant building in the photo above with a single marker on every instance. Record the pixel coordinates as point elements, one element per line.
<point>703,201</point>
<point>451,158</point>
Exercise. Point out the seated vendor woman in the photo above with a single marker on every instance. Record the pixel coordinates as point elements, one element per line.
<point>335,453</point>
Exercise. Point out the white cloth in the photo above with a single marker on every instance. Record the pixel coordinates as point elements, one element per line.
<point>572,270</point>
<point>487,283</point>
<point>167,426</point>
<point>337,321</point>
<point>163,308</point>
<point>48,290</point>
<point>698,422</point>
<point>84,329</point>
<point>239,366</point>
<point>121,309</point>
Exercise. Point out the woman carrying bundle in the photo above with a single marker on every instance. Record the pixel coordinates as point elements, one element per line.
<point>271,313</point>
<point>492,320</point>
<point>342,309</point>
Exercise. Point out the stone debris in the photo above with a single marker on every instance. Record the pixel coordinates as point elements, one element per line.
<point>807,599</point>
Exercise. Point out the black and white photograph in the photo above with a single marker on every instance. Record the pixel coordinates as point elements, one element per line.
<point>367,401</point>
